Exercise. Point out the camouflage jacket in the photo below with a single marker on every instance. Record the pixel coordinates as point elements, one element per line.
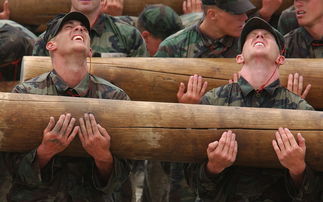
<point>242,184</point>
<point>110,37</point>
<point>287,21</point>
<point>15,42</point>
<point>191,18</point>
<point>300,44</point>
<point>192,43</point>
<point>65,179</point>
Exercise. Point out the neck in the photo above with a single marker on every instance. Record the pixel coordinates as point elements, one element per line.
<point>316,29</point>
<point>71,69</point>
<point>210,30</point>
<point>260,73</point>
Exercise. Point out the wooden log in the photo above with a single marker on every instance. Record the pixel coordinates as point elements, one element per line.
<point>7,86</point>
<point>157,79</point>
<point>161,131</point>
<point>36,12</point>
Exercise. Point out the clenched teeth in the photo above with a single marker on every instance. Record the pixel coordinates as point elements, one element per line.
<point>259,44</point>
<point>78,38</point>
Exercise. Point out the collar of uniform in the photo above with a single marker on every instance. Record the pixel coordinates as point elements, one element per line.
<point>99,25</point>
<point>306,36</point>
<point>81,88</point>
<point>227,41</point>
<point>246,88</point>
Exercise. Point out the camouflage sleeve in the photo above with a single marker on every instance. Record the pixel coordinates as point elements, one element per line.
<point>302,104</point>
<point>309,189</point>
<point>19,89</point>
<point>135,43</point>
<point>166,49</point>
<point>40,46</point>
<point>130,20</point>
<point>206,186</point>
<point>211,97</point>
<point>120,173</point>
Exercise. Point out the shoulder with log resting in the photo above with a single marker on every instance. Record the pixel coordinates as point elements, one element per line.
<point>227,95</point>
<point>108,90</point>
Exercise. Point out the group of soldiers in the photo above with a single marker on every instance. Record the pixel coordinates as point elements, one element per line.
<point>209,29</point>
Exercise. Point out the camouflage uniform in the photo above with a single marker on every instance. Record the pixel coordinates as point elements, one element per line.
<point>300,44</point>
<point>192,43</point>
<point>251,184</point>
<point>191,18</point>
<point>15,42</point>
<point>287,21</point>
<point>65,178</point>
<point>110,37</point>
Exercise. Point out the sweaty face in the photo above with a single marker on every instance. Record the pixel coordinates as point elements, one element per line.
<point>260,43</point>
<point>73,37</point>
<point>308,12</point>
<point>230,24</point>
<point>86,6</point>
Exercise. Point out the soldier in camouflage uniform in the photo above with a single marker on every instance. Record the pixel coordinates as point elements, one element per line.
<point>15,42</point>
<point>258,86</point>
<point>41,175</point>
<point>110,37</point>
<point>287,21</point>
<point>307,40</point>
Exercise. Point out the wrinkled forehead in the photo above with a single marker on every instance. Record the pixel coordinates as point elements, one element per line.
<point>260,31</point>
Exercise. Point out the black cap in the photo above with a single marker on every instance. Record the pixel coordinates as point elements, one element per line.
<point>232,6</point>
<point>258,23</point>
<point>55,26</point>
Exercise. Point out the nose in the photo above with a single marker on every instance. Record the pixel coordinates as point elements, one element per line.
<point>243,17</point>
<point>79,28</point>
<point>259,35</point>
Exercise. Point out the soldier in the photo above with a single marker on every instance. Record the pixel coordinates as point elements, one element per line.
<point>258,86</point>
<point>156,23</point>
<point>15,42</point>
<point>42,175</point>
<point>287,20</point>
<point>307,40</point>
<point>109,36</point>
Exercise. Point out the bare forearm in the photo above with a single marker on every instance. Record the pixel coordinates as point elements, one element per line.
<point>43,157</point>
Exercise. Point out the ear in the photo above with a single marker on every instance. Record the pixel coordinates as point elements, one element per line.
<point>240,59</point>
<point>212,14</point>
<point>280,60</point>
<point>145,34</point>
<point>51,46</point>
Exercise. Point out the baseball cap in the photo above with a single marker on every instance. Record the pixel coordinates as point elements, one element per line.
<point>55,26</point>
<point>232,6</point>
<point>160,20</point>
<point>258,23</point>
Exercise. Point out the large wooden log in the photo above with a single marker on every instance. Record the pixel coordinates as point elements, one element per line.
<point>7,86</point>
<point>147,130</point>
<point>36,12</point>
<point>157,79</point>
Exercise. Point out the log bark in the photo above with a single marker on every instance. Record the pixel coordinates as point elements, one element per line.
<point>36,12</point>
<point>157,79</point>
<point>161,131</point>
<point>7,86</point>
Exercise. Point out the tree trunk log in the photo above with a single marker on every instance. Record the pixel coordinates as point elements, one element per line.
<point>161,131</point>
<point>36,12</point>
<point>157,79</point>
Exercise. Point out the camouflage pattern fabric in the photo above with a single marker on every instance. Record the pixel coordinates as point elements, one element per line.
<point>191,18</point>
<point>300,44</point>
<point>192,43</point>
<point>160,20</point>
<point>14,44</point>
<point>242,184</point>
<point>287,21</point>
<point>66,179</point>
<point>110,37</point>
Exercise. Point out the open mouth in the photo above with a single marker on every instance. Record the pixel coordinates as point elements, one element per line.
<point>300,12</point>
<point>259,44</point>
<point>77,38</point>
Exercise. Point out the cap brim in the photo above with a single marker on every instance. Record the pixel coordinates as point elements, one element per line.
<point>239,7</point>
<point>76,16</point>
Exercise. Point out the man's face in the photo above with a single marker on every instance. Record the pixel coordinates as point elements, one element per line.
<point>260,43</point>
<point>73,37</point>
<point>308,12</point>
<point>230,24</point>
<point>152,44</point>
<point>86,6</point>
